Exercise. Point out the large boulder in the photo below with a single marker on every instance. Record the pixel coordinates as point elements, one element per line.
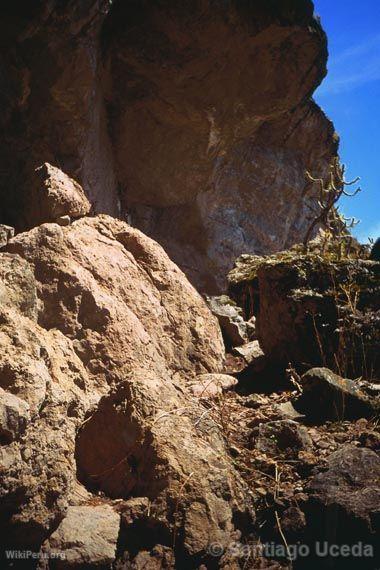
<point>205,157</point>
<point>117,295</point>
<point>96,387</point>
<point>43,400</point>
<point>152,442</point>
<point>313,310</point>
<point>327,396</point>
<point>343,508</point>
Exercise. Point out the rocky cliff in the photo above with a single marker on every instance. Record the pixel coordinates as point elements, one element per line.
<point>143,425</point>
<point>192,120</point>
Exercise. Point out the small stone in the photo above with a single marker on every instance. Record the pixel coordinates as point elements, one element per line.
<point>159,557</point>
<point>87,536</point>
<point>287,410</point>
<point>231,322</point>
<point>283,435</point>
<point>54,195</point>
<point>6,233</point>
<point>134,509</point>
<point>234,451</point>
<point>323,444</point>
<point>249,351</point>
<point>63,221</point>
<point>212,385</point>
<point>293,520</point>
<point>253,401</point>
<point>370,439</point>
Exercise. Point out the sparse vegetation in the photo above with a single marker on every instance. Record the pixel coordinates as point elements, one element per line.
<point>336,226</point>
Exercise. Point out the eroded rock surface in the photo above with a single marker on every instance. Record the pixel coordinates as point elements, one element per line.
<point>116,295</point>
<point>54,196</point>
<point>87,535</point>
<point>313,310</point>
<point>195,121</point>
<point>95,386</point>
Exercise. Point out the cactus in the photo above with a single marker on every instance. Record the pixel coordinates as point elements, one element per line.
<point>335,224</point>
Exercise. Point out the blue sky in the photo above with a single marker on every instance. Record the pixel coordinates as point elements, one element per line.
<point>350,96</point>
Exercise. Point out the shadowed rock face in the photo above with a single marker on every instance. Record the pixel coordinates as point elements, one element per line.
<point>194,119</point>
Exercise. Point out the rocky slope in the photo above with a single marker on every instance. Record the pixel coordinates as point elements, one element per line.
<point>102,336</point>
<point>126,443</point>
<point>192,120</point>
<point>143,426</point>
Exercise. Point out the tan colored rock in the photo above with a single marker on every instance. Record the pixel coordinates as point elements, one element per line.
<point>17,285</point>
<point>212,385</point>
<point>87,536</point>
<point>153,442</point>
<point>250,351</point>
<point>160,557</point>
<point>121,335</point>
<point>117,295</point>
<point>55,197</point>
<point>37,468</point>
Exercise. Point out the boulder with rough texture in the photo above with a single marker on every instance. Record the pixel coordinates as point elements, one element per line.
<point>313,310</point>
<point>40,371</point>
<point>205,157</point>
<point>327,396</point>
<point>152,442</point>
<point>104,363</point>
<point>54,196</point>
<point>118,297</point>
<point>87,536</point>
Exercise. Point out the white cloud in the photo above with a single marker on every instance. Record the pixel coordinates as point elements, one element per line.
<point>353,67</point>
<point>356,50</point>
